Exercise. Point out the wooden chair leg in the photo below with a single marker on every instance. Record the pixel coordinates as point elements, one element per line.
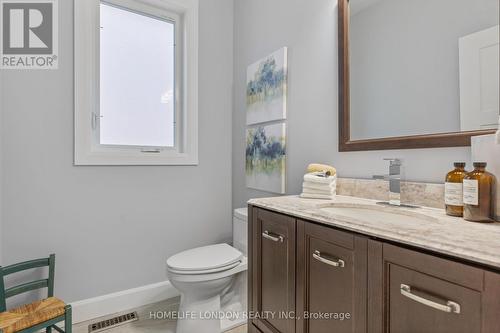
<point>68,322</point>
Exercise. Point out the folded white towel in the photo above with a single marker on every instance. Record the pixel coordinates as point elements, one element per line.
<point>314,191</point>
<point>315,178</point>
<point>326,190</point>
<point>319,186</point>
<point>317,196</point>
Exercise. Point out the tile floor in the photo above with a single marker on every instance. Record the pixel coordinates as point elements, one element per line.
<point>145,323</point>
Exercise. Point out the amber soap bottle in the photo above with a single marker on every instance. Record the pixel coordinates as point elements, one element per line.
<point>479,194</point>
<point>454,198</point>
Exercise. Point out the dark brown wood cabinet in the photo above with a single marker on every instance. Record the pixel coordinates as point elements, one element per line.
<point>253,329</point>
<point>331,280</point>
<point>425,293</point>
<point>310,278</point>
<point>273,271</point>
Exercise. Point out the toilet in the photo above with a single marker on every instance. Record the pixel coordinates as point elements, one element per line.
<point>212,281</point>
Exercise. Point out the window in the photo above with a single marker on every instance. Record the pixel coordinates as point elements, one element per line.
<point>137,104</point>
<point>136,82</point>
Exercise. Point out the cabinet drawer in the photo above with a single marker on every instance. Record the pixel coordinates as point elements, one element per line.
<point>425,293</point>
<point>423,303</point>
<point>444,269</point>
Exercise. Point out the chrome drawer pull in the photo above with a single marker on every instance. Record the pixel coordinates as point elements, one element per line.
<point>450,307</point>
<point>336,263</point>
<point>273,237</point>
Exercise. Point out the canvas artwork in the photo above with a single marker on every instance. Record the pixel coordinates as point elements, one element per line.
<point>266,157</point>
<point>266,88</point>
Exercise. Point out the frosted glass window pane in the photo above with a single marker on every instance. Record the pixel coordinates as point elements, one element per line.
<point>136,79</point>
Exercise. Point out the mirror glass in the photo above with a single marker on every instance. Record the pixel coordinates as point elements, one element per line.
<point>423,67</point>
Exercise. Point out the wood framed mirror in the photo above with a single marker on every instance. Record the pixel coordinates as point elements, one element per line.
<point>441,130</point>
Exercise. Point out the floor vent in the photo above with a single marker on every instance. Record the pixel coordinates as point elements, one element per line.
<point>113,322</point>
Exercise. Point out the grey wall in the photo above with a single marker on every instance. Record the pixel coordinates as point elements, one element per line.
<point>405,69</point>
<point>309,29</point>
<point>112,228</point>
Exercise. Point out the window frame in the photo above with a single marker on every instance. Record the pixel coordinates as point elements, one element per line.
<point>88,150</point>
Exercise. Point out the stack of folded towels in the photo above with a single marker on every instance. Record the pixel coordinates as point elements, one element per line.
<point>320,182</point>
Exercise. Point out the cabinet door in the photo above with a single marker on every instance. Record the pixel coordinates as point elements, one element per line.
<point>331,280</point>
<point>273,271</point>
<point>491,303</point>
<point>424,293</point>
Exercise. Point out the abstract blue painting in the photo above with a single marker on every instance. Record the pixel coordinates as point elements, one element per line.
<point>266,158</point>
<point>267,88</point>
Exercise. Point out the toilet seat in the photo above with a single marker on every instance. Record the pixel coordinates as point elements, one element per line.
<point>208,271</point>
<point>204,277</point>
<point>205,260</point>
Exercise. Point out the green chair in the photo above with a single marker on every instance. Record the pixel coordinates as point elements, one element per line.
<point>39,315</point>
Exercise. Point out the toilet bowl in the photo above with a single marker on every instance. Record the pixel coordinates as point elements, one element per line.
<point>206,277</point>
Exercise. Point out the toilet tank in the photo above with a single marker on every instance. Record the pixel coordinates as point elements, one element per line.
<point>240,229</point>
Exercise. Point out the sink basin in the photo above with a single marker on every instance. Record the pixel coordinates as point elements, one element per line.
<point>374,214</point>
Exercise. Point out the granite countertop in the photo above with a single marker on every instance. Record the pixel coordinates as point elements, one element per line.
<point>426,228</point>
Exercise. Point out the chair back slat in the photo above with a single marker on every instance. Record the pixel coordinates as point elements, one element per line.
<point>52,271</point>
<point>25,287</point>
<point>23,266</point>
<point>30,286</point>
<point>3,303</point>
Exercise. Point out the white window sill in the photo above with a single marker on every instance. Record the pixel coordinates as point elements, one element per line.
<point>135,158</point>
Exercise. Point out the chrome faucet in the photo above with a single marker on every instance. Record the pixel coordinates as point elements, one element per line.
<point>394,178</point>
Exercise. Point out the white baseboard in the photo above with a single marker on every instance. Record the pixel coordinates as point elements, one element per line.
<point>121,301</point>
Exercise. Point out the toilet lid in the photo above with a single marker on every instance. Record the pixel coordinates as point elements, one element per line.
<point>205,258</point>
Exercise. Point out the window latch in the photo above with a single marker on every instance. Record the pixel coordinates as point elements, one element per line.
<point>95,119</point>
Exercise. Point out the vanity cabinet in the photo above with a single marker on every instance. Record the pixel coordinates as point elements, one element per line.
<point>306,277</point>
